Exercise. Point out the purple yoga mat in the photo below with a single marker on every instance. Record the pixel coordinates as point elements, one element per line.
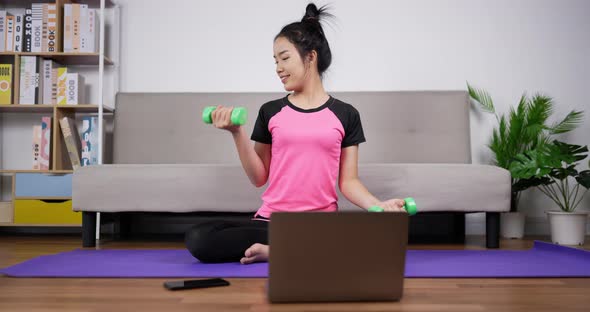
<point>543,260</point>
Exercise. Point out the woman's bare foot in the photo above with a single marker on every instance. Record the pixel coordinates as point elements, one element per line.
<point>256,253</point>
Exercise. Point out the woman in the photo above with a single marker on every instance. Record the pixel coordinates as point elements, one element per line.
<point>304,142</point>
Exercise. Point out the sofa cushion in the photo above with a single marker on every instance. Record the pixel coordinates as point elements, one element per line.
<point>226,188</point>
<point>164,188</point>
<point>400,127</point>
<point>438,187</point>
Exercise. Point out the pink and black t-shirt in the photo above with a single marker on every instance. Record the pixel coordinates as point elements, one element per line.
<point>305,153</point>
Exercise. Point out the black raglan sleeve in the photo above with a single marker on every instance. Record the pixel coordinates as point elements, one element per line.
<point>261,132</point>
<point>351,122</point>
<point>353,130</point>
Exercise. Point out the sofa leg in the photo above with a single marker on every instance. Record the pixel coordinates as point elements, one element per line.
<point>88,229</point>
<point>492,229</point>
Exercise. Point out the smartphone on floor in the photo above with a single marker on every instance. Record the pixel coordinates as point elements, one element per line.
<point>200,283</point>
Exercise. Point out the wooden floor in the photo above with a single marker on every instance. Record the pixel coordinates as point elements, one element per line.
<point>420,294</point>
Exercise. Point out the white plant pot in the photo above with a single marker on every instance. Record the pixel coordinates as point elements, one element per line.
<point>512,224</point>
<point>567,228</point>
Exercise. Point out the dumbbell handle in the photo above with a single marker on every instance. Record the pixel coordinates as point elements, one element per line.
<point>238,115</point>
<point>409,206</point>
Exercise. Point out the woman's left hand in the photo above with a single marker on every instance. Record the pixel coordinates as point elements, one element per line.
<point>394,204</point>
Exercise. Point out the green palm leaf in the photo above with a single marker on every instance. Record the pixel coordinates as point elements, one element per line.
<point>497,144</point>
<point>538,111</point>
<point>540,108</point>
<point>516,130</point>
<point>481,96</point>
<point>569,123</point>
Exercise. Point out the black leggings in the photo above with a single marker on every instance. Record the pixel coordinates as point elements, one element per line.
<point>225,241</point>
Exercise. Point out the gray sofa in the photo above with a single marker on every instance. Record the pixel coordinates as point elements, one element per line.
<point>165,159</point>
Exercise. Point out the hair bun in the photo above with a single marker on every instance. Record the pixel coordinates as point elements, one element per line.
<point>311,13</point>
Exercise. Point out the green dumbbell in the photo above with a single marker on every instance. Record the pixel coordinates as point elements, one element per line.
<point>410,207</point>
<point>238,115</point>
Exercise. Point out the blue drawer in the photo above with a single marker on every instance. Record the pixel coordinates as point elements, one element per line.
<point>43,185</point>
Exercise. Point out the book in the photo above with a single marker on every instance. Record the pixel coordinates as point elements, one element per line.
<point>28,31</point>
<point>54,75</point>
<point>72,140</point>
<point>48,81</point>
<point>18,32</point>
<point>9,33</point>
<point>44,20</point>
<point>29,80</point>
<point>75,27</point>
<point>83,28</point>
<point>36,147</point>
<point>51,27</point>
<point>62,75</point>
<point>39,80</point>
<point>5,84</point>
<point>3,23</point>
<point>92,31</point>
<point>89,140</point>
<point>37,27</point>
<point>68,28</point>
<point>75,89</point>
<point>45,158</point>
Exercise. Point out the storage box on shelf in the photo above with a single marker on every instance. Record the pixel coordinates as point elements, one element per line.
<point>45,212</point>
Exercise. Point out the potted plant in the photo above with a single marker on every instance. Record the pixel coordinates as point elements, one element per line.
<point>552,169</point>
<point>523,129</point>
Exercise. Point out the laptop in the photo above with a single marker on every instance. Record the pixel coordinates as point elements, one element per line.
<point>336,257</point>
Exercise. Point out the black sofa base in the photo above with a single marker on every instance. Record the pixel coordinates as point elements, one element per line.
<point>424,228</point>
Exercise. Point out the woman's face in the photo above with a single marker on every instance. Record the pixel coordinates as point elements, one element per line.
<point>290,66</point>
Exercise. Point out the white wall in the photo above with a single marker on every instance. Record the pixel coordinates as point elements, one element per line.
<point>506,47</point>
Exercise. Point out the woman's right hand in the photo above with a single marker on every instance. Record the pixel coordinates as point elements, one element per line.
<point>221,119</point>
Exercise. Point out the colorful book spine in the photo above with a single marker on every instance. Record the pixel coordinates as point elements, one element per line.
<point>44,20</point>
<point>39,80</point>
<point>28,80</point>
<point>62,76</point>
<point>45,157</point>
<point>2,30</point>
<point>18,32</point>
<point>89,140</point>
<point>52,27</point>
<point>37,27</point>
<point>28,31</point>
<point>72,140</point>
<point>68,28</point>
<point>83,28</point>
<point>76,27</point>
<point>75,85</point>
<point>92,31</point>
<point>36,147</point>
<point>48,80</point>
<point>9,33</point>
<point>5,84</point>
<point>54,75</point>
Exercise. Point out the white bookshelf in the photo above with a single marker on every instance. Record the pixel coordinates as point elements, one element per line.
<point>101,74</point>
